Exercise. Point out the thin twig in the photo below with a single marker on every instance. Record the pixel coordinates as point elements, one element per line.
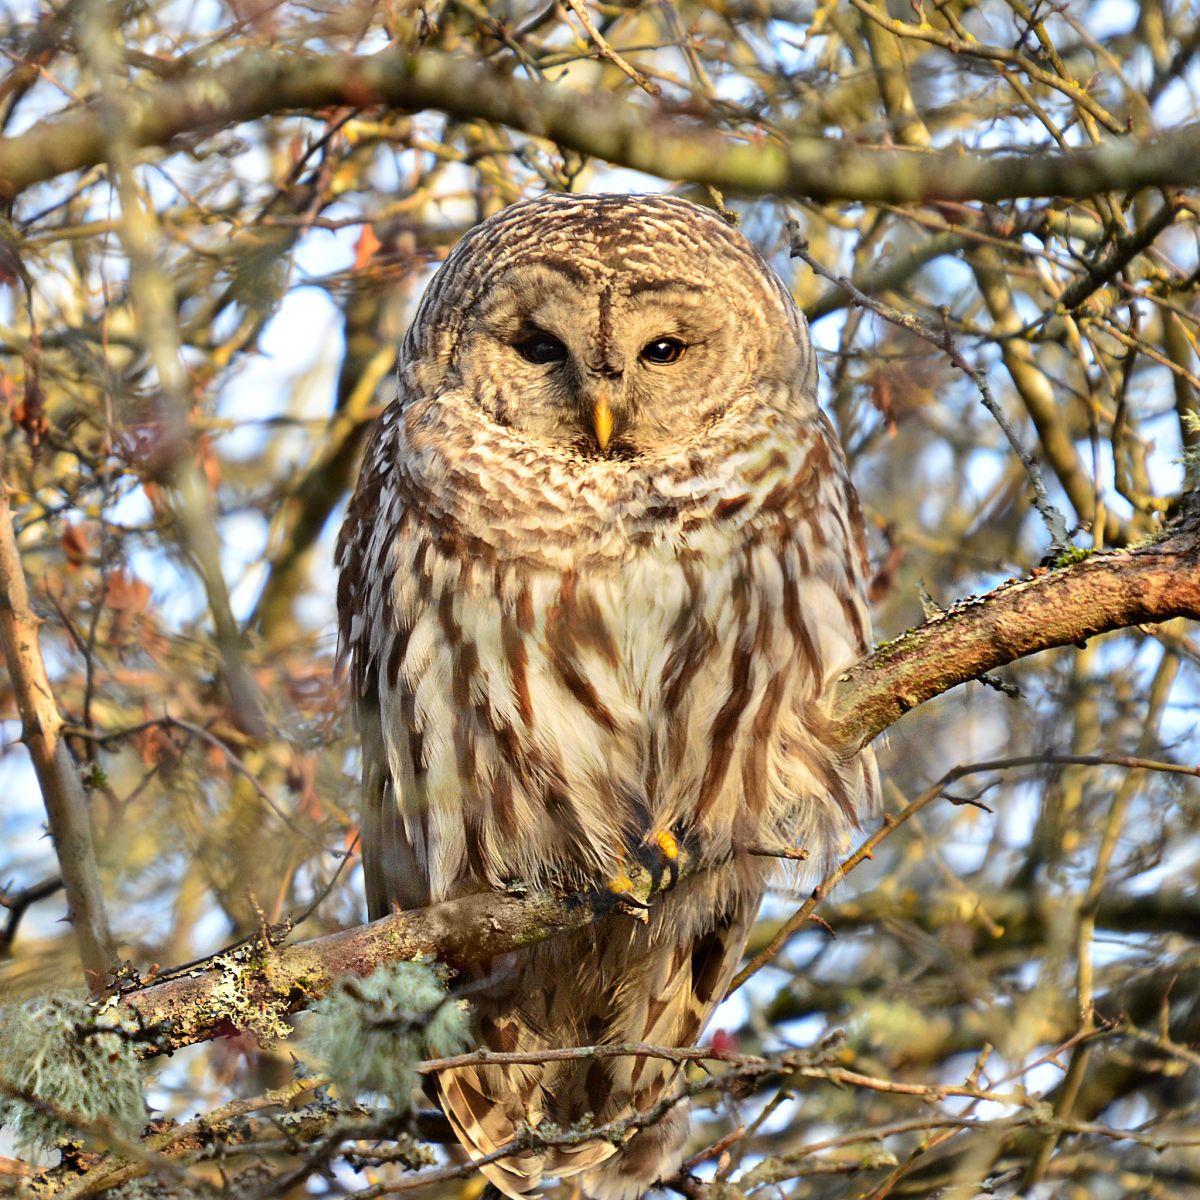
<point>18,902</point>
<point>1054,521</point>
<point>806,912</point>
<point>606,51</point>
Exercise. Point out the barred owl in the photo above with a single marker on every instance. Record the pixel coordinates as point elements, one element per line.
<point>601,563</point>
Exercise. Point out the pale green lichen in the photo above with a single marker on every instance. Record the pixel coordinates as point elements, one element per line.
<point>242,1005</point>
<point>78,1062</point>
<point>370,1034</point>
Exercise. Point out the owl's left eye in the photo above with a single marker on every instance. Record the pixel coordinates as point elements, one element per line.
<point>663,351</point>
<point>541,348</point>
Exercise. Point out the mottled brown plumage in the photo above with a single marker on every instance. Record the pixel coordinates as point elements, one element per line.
<point>602,560</point>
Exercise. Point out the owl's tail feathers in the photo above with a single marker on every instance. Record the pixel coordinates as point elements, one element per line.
<point>485,1123</point>
<point>654,1154</point>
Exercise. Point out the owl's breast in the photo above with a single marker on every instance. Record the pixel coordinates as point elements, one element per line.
<point>567,665</point>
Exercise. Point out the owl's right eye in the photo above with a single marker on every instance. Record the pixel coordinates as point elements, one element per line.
<point>541,348</point>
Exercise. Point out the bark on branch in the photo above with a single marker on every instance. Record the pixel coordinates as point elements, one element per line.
<point>641,135</point>
<point>253,986</point>
<point>57,773</point>
<point>1060,607</point>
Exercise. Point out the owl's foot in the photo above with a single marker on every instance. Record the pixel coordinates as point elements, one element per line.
<point>622,892</point>
<point>660,856</point>
<point>654,868</point>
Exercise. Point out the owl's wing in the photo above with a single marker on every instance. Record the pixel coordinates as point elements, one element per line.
<point>393,875</point>
<point>817,794</point>
<point>395,878</point>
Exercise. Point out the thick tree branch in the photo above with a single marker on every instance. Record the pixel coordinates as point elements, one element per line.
<point>1057,607</point>
<point>634,134</point>
<point>252,987</point>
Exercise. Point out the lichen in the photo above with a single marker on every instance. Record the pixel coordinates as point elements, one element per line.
<point>238,996</point>
<point>77,1061</point>
<point>370,1034</point>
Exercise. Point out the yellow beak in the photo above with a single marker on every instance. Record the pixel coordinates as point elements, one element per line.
<point>602,423</point>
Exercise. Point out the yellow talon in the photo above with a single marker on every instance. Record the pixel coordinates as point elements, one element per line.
<point>621,887</point>
<point>668,844</point>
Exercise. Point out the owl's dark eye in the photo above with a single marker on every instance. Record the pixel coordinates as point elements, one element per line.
<point>541,348</point>
<point>663,351</point>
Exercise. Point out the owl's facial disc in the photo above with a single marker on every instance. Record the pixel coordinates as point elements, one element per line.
<point>611,361</point>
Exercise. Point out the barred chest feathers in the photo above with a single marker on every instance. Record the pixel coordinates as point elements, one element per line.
<point>549,700</point>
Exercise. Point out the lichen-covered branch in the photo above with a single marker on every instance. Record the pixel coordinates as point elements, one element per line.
<point>634,134</point>
<point>255,986</point>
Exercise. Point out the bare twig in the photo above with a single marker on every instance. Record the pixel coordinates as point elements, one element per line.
<point>16,903</point>
<point>606,51</point>
<point>1052,518</point>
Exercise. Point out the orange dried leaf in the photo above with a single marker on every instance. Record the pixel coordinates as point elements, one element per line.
<point>365,247</point>
<point>75,545</point>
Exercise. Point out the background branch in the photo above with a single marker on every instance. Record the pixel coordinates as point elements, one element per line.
<point>57,772</point>
<point>617,130</point>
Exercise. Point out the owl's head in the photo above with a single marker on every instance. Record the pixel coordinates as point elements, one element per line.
<point>610,325</point>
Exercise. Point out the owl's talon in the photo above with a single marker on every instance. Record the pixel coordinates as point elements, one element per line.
<point>631,906</point>
<point>660,856</point>
<point>620,891</point>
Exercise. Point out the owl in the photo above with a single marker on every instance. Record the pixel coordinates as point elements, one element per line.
<point>602,563</point>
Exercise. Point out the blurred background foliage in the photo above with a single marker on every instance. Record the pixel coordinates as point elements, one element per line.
<point>194,339</point>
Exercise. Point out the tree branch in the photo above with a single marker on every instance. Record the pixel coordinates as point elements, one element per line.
<point>1059,607</point>
<point>633,134</point>
<point>58,776</point>
<point>253,986</point>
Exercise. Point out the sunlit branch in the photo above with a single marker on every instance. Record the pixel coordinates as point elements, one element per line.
<point>57,773</point>
<point>633,134</point>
